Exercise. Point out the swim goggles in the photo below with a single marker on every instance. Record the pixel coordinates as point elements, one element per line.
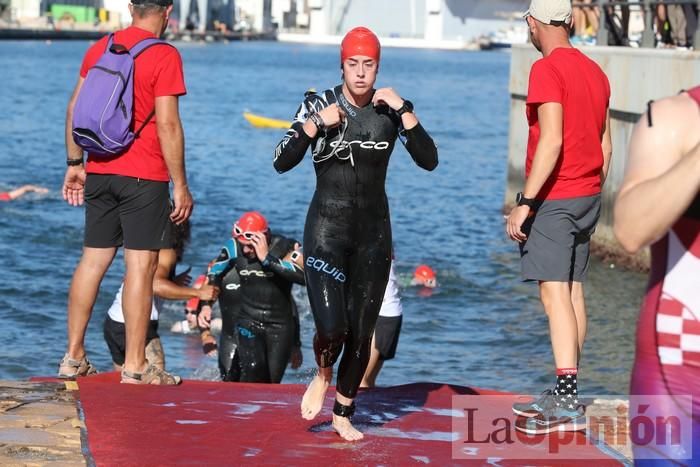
<point>238,232</point>
<point>342,150</point>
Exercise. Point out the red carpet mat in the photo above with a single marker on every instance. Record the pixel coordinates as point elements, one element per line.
<point>217,423</point>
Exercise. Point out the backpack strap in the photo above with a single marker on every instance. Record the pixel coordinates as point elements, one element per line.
<point>135,51</point>
<point>110,41</point>
<point>143,45</point>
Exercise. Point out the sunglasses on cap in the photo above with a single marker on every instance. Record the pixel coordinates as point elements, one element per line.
<point>238,232</point>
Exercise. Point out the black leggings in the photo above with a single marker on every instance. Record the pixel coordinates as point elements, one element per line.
<point>264,350</point>
<point>348,255</point>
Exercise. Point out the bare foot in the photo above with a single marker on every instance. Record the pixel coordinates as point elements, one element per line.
<point>312,402</point>
<point>345,429</point>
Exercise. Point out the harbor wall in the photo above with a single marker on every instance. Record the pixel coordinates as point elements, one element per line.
<point>636,77</point>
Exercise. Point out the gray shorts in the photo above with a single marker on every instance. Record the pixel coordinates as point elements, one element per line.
<point>558,239</point>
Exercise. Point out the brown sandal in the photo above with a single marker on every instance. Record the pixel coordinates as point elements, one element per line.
<point>70,368</point>
<point>151,375</point>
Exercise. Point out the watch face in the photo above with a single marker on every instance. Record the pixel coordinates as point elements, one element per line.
<point>408,105</point>
<point>518,197</point>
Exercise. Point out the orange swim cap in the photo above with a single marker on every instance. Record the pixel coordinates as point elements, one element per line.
<point>360,41</point>
<point>424,273</point>
<point>251,221</point>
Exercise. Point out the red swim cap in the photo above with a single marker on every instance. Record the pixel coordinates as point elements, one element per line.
<point>251,221</point>
<point>424,273</point>
<point>360,41</point>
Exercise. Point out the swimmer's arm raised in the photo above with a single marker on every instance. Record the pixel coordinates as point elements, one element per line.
<point>285,269</point>
<point>663,173</point>
<point>290,151</point>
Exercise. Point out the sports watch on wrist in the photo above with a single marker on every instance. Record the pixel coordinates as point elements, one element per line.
<point>406,107</point>
<point>318,121</point>
<point>521,200</point>
<point>74,162</point>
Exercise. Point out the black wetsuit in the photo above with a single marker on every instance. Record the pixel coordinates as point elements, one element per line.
<point>230,305</point>
<point>262,311</point>
<point>347,236</point>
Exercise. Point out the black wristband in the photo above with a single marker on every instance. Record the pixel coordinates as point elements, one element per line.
<point>341,410</point>
<point>521,200</point>
<point>406,107</point>
<point>74,162</point>
<point>318,121</point>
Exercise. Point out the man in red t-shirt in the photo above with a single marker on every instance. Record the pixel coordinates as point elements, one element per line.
<point>127,198</point>
<point>568,153</point>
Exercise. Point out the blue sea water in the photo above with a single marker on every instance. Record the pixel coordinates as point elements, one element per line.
<point>482,327</point>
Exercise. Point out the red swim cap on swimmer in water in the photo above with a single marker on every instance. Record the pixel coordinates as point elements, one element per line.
<point>251,221</point>
<point>360,41</point>
<point>424,273</point>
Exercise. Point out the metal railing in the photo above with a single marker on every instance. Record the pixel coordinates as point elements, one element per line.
<point>648,10</point>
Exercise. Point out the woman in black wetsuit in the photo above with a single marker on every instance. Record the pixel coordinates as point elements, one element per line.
<point>352,129</point>
<point>260,330</point>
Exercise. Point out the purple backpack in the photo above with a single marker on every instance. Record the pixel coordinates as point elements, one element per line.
<point>103,113</point>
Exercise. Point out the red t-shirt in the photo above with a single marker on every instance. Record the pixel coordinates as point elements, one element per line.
<point>575,81</point>
<point>157,72</point>
<point>5,196</point>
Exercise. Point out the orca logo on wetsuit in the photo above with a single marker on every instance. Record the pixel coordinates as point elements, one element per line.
<point>249,272</point>
<point>233,286</point>
<point>363,144</point>
<point>322,266</point>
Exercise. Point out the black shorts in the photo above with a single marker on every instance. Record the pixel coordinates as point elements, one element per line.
<point>115,336</point>
<point>127,211</point>
<point>386,336</point>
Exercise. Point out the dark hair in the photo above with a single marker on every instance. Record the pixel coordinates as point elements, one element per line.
<point>181,238</point>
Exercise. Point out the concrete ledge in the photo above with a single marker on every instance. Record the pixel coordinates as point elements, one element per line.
<point>39,425</point>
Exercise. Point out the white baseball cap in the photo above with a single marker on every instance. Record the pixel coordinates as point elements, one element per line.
<point>550,11</point>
